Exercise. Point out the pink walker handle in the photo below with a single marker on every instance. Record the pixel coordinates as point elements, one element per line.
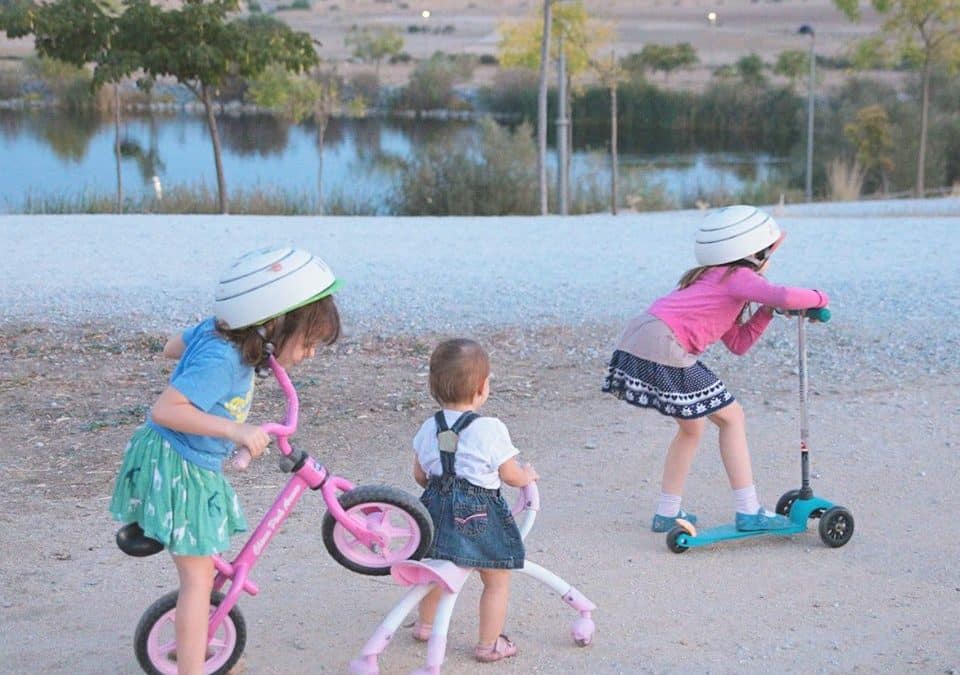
<point>281,432</point>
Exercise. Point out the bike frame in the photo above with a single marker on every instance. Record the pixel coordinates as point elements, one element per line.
<point>306,472</point>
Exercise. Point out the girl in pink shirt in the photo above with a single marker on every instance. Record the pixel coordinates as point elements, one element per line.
<point>655,364</point>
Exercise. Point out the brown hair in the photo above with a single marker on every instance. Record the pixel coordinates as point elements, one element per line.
<point>691,275</point>
<point>318,322</point>
<point>458,369</point>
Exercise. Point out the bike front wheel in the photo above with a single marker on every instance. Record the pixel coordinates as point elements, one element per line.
<point>155,642</point>
<point>400,518</point>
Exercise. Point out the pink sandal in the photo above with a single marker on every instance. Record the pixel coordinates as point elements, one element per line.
<point>421,631</point>
<point>502,648</point>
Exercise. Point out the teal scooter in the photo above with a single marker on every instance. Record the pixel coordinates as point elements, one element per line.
<point>836,522</point>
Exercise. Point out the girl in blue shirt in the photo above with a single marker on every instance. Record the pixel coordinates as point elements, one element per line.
<point>171,481</point>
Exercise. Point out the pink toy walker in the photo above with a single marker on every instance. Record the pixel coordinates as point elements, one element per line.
<point>366,529</point>
<point>421,577</point>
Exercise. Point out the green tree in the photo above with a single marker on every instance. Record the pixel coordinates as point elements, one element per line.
<point>665,58</point>
<point>750,70</point>
<point>198,46</point>
<point>374,46</point>
<point>298,98</point>
<point>870,133</point>
<point>194,43</point>
<point>75,33</point>
<point>522,46</point>
<point>924,34</point>
<point>793,64</point>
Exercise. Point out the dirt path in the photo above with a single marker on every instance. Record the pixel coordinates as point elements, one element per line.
<point>887,602</point>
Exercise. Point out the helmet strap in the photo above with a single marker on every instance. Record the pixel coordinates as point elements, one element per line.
<point>268,350</point>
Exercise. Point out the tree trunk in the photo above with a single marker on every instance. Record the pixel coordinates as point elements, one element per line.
<point>215,136</point>
<point>116,144</point>
<point>321,130</point>
<point>613,148</point>
<point>924,115</point>
<point>542,108</point>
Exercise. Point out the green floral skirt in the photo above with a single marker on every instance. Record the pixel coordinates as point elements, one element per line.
<point>190,510</point>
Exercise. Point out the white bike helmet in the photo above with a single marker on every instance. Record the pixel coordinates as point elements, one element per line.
<point>266,283</point>
<point>734,233</point>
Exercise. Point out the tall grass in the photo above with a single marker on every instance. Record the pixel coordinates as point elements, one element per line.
<point>845,180</point>
<point>198,198</point>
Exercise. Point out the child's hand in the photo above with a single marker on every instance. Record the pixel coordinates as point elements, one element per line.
<point>530,472</point>
<point>252,437</point>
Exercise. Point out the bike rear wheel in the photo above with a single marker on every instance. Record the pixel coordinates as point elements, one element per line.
<point>398,516</point>
<point>155,642</point>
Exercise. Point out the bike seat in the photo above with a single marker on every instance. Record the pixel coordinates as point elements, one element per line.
<point>441,572</point>
<point>132,541</point>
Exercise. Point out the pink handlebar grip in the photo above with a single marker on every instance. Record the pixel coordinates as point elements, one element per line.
<point>241,458</point>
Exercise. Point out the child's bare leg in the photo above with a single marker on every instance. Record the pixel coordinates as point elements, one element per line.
<point>680,455</point>
<point>493,604</point>
<point>733,445</point>
<point>428,606</point>
<point>193,612</point>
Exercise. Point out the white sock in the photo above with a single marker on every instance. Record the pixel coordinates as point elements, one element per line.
<point>668,506</point>
<point>745,500</point>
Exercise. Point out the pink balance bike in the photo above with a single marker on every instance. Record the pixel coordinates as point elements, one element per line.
<point>422,576</point>
<point>366,529</point>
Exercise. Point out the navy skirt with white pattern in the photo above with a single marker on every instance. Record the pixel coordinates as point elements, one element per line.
<point>684,393</point>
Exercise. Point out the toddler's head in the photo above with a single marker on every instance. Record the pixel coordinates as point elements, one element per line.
<point>459,371</point>
<point>278,301</point>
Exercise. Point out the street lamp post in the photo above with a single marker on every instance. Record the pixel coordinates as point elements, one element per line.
<point>807,29</point>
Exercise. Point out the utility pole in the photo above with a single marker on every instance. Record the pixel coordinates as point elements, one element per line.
<point>807,29</point>
<point>562,136</point>
<point>542,109</point>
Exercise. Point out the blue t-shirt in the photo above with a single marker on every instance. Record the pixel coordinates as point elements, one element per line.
<point>213,377</point>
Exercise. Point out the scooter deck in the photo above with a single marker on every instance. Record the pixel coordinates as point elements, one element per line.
<point>800,513</point>
<point>728,532</point>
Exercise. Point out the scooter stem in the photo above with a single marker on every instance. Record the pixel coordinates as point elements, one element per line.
<point>806,492</point>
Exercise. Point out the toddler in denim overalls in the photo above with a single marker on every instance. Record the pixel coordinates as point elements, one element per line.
<point>461,460</point>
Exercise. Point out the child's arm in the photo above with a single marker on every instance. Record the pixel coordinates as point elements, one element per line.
<point>419,474</point>
<point>175,411</point>
<point>741,337</point>
<point>515,475</point>
<point>752,287</point>
<point>174,348</point>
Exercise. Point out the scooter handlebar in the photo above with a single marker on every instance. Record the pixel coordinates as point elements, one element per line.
<point>821,314</point>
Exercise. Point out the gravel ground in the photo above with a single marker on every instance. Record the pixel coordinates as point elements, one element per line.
<point>86,301</point>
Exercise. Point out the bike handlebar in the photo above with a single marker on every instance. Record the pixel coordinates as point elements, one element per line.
<point>279,431</point>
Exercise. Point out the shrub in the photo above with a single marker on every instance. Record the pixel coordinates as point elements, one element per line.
<point>490,174</point>
<point>365,86</point>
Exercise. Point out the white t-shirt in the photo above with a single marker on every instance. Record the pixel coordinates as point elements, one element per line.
<point>482,448</point>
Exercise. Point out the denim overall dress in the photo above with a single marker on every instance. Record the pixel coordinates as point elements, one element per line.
<point>473,526</point>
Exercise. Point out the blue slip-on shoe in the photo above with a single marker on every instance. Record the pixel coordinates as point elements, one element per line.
<point>666,523</point>
<point>762,520</point>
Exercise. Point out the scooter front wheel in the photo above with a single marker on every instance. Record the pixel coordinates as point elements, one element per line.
<point>398,517</point>
<point>155,642</point>
<point>836,526</point>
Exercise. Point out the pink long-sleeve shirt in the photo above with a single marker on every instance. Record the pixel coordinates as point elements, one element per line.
<point>707,310</point>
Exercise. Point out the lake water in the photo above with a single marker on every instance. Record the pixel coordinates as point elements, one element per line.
<point>52,154</point>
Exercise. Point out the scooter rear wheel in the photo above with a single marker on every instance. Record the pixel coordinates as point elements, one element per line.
<point>672,540</point>
<point>786,501</point>
<point>836,526</point>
